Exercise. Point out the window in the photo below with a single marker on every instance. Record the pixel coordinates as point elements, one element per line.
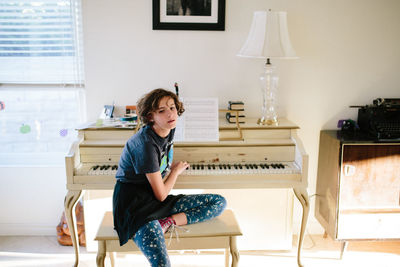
<point>41,80</point>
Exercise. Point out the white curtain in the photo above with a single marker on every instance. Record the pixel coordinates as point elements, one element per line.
<point>41,80</point>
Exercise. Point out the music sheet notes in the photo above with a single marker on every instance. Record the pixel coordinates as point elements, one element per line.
<point>199,122</point>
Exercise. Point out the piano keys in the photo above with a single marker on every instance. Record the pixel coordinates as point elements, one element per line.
<point>227,168</point>
<point>262,157</point>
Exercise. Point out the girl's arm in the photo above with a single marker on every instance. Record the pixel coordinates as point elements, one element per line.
<point>162,188</point>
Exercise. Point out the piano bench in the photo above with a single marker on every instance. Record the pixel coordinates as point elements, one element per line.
<point>218,233</point>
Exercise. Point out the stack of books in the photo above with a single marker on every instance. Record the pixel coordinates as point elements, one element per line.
<point>237,108</point>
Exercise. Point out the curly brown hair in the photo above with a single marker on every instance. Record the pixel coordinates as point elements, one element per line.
<point>150,103</point>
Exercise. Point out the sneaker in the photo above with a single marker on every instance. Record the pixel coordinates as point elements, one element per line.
<point>166,223</point>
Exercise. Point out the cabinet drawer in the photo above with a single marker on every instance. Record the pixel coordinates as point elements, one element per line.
<point>369,226</point>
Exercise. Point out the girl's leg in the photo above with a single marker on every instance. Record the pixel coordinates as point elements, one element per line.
<point>150,240</point>
<point>201,207</point>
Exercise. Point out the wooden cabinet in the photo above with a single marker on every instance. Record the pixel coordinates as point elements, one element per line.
<point>358,187</point>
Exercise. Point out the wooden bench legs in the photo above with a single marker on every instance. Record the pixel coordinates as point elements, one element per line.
<point>218,233</point>
<point>101,255</point>
<point>233,251</point>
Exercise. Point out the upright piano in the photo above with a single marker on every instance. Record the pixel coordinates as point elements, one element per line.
<point>246,156</point>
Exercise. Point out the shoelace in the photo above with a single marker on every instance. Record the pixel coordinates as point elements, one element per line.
<point>174,229</point>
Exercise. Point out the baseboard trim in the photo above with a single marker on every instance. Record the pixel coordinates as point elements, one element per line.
<point>17,229</point>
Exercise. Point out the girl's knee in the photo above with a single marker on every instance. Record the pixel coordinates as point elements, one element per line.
<point>221,200</point>
<point>221,203</point>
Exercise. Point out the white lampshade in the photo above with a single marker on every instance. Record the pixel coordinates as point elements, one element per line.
<point>268,37</point>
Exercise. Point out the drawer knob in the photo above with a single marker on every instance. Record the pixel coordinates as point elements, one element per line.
<point>349,170</point>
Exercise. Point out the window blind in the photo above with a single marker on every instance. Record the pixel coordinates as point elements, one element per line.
<point>40,42</point>
<point>40,54</point>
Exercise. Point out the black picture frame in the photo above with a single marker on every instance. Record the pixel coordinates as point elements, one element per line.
<point>158,24</point>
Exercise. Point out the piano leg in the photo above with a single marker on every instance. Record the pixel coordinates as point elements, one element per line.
<point>302,196</point>
<point>71,199</point>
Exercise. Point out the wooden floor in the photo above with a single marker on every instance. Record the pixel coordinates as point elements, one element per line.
<point>318,252</point>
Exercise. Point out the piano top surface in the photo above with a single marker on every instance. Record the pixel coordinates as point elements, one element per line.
<point>238,143</point>
<point>250,123</point>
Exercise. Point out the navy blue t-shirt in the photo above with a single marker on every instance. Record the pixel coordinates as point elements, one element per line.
<point>145,152</point>
<point>134,203</point>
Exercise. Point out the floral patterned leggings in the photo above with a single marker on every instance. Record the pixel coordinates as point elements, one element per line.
<point>198,208</point>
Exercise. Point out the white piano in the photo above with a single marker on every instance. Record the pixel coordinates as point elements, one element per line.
<point>249,156</point>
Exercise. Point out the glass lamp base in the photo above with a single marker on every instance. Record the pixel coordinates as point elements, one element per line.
<point>263,121</point>
<point>269,86</point>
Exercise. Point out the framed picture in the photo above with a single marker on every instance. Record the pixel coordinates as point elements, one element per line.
<point>107,112</point>
<point>203,15</point>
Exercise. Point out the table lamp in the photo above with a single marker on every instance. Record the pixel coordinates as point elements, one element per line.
<point>268,38</point>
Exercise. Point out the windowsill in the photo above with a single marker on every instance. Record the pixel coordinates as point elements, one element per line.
<point>41,160</point>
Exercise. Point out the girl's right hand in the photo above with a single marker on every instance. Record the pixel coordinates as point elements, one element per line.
<point>179,167</point>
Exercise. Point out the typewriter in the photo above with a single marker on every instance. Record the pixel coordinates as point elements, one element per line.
<point>381,120</point>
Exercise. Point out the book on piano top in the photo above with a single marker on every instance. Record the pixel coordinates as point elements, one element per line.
<point>232,119</point>
<point>236,113</point>
<point>236,105</point>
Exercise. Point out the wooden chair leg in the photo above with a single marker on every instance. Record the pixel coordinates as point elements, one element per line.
<point>227,257</point>
<point>101,254</point>
<point>343,248</point>
<point>234,251</point>
<point>112,258</point>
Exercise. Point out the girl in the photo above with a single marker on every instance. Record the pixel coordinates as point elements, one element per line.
<point>142,207</point>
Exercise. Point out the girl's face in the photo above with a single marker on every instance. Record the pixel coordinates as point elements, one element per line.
<point>165,116</point>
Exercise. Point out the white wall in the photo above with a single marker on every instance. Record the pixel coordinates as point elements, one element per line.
<point>349,55</point>
<point>32,200</point>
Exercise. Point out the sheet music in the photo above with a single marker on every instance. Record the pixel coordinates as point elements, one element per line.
<point>199,122</point>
